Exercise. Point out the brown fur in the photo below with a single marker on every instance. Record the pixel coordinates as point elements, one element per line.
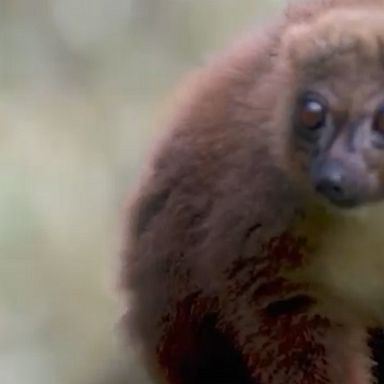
<point>225,236</point>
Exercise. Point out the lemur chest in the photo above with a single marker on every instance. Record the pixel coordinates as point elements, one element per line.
<point>347,263</point>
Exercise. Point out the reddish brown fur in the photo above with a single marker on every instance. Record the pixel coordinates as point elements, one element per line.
<point>210,233</point>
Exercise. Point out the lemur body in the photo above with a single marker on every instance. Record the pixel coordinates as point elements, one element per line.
<point>255,251</point>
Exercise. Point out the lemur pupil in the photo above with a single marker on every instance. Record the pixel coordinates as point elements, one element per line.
<point>312,114</point>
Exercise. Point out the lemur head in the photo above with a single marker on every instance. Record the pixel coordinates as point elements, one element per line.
<point>336,108</point>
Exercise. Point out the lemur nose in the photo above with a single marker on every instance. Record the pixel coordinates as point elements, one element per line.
<point>331,180</point>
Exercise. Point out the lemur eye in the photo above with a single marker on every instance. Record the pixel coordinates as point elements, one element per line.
<point>311,114</point>
<point>378,123</point>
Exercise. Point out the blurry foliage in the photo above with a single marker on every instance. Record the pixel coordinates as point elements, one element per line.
<point>82,83</point>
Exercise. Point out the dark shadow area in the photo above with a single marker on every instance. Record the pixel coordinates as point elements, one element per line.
<point>290,306</point>
<point>376,343</point>
<point>215,360</point>
<point>220,362</point>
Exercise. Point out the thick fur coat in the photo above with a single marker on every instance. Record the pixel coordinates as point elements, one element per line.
<point>236,271</point>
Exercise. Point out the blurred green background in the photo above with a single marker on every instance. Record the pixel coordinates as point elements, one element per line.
<point>82,84</point>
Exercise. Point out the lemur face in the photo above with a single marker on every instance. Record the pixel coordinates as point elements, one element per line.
<point>337,120</point>
<point>344,147</point>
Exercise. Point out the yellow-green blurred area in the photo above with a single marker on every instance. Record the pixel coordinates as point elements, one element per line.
<point>82,84</point>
